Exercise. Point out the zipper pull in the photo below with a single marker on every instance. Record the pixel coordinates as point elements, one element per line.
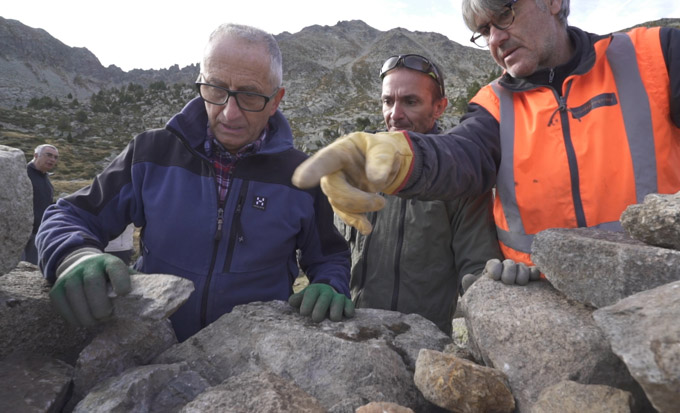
<point>551,75</point>
<point>220,221</point>
<point>237,221</point>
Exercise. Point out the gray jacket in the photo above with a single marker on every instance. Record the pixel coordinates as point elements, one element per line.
<point>418,252</point>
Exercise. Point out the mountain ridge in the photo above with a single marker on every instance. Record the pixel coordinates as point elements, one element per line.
<point>54,93</point>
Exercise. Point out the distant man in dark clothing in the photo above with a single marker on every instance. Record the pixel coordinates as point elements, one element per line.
<point>45,158</point>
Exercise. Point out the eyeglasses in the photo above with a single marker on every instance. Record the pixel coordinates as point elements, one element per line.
<point>247,101</point>
<point>503,21</point>
<point>415,62</point>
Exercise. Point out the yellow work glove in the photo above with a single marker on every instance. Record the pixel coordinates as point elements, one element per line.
<point>354,168</point>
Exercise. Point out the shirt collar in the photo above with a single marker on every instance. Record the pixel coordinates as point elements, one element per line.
<point>251,148</point>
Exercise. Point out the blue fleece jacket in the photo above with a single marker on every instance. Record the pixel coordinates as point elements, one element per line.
<point>164,183</point>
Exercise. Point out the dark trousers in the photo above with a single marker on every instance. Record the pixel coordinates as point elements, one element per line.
<point>30,253</point>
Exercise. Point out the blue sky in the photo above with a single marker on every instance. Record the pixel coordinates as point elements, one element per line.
<point>152,34</point>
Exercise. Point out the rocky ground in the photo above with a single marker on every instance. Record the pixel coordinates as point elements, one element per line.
<point>599,333</point>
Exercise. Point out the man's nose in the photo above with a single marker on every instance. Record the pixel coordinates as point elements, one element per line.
<point>397,111</point>
<point>497,36</point>
<point>231,108</point>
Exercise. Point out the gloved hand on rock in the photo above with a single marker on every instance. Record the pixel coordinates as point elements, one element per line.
<point>508,271</point>
<point>354,168</point>
<point>316,299</point>
<point>80,293</point>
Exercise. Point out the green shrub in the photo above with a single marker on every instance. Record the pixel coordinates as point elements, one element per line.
<point>81,116</point>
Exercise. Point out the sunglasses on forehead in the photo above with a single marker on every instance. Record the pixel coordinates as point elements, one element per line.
<point>415,62</point>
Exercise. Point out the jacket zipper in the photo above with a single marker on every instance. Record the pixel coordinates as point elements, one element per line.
<point>397,258</point>
<point>236,234</point>
<point>218,232</point>
<point>367,243</point>
<point>216,242</point>
<point>571,159</point>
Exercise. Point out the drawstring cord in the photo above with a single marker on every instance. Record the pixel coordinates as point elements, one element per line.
<point>562,107</point>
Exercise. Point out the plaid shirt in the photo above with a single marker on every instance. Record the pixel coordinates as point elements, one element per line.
<point>223,161</point>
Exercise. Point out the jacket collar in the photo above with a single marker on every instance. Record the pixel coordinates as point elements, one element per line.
<point>190,124</point>
<point>582,61</point>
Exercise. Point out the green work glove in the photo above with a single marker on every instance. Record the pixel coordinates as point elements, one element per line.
<point>316,299</point>
<point>80,294</point>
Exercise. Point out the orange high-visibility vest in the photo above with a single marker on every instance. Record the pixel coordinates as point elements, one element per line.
<point>581,159</point>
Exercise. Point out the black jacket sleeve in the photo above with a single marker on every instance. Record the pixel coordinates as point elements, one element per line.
<point>670,45</point>
<point>461,162</point>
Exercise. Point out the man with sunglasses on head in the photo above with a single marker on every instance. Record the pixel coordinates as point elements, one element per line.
<point>578,127</point>
<point>212,193</point>
<point>413,259</point>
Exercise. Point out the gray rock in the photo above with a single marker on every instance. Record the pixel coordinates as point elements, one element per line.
<point>121,346</point>
<point>16,206</point>
<point>383,407</point>
<point>645,333</point>
<point>344,365</point>
<point>460,385</point>
<point>152,388</point>
<point>33,383</point>
<point>537,337</point>
<point>459,335</point>
<point>571,397</point>
<point>138,331</point>
<point>254,392</point>
<point>29,322</point>
<point>153,297</point>
<point>598,268</point>
<point>656,221</point>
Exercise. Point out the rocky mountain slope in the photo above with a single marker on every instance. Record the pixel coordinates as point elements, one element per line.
<point>51,92</point>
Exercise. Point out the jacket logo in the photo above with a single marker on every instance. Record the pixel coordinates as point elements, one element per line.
<point>604,99</point>
<point>260,203</point>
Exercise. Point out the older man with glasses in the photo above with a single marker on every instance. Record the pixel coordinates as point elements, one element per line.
<point>45,158</point>
<point>418,251</point>
<point>577,128</point>
<point>212,193</point>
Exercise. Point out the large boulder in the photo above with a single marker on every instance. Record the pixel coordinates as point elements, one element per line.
<point>645,333</point>
<point>599,268</point>
<point>656,221</point>
<point>344,365</point>
<point>16,207</point>
<point>538,338</point>
<point>570,397</point>
<point>29,322</point>
<point>47,380</point>
<point>459,385</point>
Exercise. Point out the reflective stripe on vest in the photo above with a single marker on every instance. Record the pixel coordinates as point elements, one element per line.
<point>638,125</point>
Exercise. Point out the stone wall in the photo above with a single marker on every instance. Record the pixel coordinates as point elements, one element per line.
<point>598,333</point>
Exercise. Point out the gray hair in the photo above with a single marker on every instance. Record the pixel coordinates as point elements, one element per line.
<point>257,36</point>
<point>38,149</point>
<point>489,8</point>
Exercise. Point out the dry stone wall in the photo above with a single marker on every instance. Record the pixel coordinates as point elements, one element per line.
<point>593,330</point>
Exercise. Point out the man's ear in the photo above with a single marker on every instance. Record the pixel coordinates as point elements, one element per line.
<point>277,100</point>
<point>440,107</point>
<point>555,6</point>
